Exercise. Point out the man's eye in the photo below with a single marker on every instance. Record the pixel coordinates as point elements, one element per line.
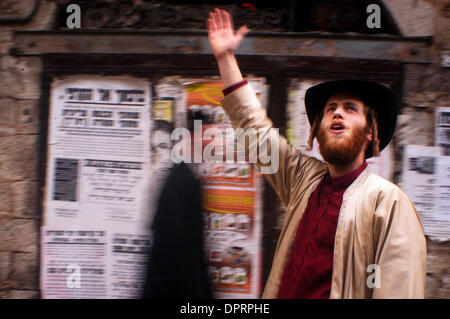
<point>331,108</point>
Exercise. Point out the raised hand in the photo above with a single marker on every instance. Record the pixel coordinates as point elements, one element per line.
<point>222,37</point>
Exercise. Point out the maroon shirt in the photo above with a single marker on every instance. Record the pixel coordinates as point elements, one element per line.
<point>307,274</point>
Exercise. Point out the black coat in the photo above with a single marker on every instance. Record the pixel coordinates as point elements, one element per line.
<point>177,266</point>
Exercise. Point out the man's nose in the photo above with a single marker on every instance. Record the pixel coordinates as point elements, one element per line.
<point>337,113</point>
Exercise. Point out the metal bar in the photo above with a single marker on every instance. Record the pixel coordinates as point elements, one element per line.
<point>408,50</point>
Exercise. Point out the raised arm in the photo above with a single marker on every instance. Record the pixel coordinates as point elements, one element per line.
<point>224,41</point>
<point>245,112</point>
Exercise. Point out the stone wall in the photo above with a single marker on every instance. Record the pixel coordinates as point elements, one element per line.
<point>20,222</point>
<point>425,86</point>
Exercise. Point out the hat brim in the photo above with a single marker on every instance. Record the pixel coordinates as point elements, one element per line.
<point>372,94</point>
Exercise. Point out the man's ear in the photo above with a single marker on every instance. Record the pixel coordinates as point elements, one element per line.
<point>369,135</point>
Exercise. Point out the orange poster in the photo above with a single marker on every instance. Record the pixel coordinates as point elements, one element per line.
<point>204,103</point>
<point>232,221</point>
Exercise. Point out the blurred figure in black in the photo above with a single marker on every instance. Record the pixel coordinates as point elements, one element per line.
<point>177,266</point>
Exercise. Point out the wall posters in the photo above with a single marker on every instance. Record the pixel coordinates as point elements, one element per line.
<point>93,241</point>
<point>230,193</point>
<point>442,129</point>
<point>108,152</point>
<point>426,181</point>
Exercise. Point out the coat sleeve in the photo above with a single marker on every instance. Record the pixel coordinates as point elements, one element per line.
<point>400,248</point>
<point>287,165</point>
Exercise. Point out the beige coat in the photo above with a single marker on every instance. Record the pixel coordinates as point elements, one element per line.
<point>380,247</point>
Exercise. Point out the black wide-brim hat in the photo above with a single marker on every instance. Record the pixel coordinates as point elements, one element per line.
<point>372,94</point>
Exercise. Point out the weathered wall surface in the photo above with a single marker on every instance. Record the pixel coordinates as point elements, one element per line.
<point>19,150</point>
<point>425,86</point>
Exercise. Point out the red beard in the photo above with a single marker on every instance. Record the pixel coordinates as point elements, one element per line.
<point>342,151</point>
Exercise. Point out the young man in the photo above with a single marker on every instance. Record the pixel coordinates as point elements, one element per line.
<point>348,233</point>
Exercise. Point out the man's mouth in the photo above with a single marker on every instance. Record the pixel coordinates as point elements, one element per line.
<point>337,127</point>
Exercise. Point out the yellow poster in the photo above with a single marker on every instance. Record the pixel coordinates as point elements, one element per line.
<point>163,109</point>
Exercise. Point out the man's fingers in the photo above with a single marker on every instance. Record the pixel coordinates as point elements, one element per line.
<point>211,24</point>
<point>218,19</point>
<point>221,19</point>
<point>242,31</point>
<point>227,24</point>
